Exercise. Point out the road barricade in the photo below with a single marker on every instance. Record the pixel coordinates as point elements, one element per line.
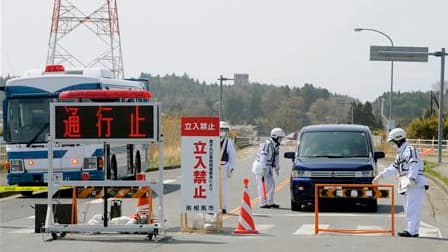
<point>363,191</point>
<point>133,105</point>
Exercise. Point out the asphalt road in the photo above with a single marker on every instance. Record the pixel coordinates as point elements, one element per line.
<point>280,229</point>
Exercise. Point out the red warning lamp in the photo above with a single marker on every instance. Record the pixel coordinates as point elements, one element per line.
<point>141,177</point>
<point>54,68</point>
<point>85,176</point>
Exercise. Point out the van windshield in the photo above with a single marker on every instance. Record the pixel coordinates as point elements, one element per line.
<point>333,145</point>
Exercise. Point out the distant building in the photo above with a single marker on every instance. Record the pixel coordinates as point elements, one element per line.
<point>241,79</point>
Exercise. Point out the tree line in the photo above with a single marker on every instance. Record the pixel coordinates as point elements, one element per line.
<point>265,106</point>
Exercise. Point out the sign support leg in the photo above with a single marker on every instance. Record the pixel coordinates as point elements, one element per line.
<point>49,220</point>
<point>161,206</point>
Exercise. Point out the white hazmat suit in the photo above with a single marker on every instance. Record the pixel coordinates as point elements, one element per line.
<point>228,162</point>
<point>409,167</point>
<point>264,166</point>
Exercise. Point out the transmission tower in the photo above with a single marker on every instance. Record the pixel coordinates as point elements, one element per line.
<point>102,22</point>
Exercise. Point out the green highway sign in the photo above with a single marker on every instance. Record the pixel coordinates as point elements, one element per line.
<point>399,53</point>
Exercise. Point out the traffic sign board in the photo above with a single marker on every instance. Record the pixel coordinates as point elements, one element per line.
<point>399,53</point>
<point>105,122</point>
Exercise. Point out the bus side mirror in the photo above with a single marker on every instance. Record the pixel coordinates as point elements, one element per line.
<point>290,155</point>
<point>379,154</point>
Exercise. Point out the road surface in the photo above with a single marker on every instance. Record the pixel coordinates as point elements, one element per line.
<point>280,229</point>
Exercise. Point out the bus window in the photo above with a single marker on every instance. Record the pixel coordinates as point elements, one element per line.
<point>28,120</point>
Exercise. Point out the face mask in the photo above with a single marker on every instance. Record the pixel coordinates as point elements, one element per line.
<point>395,146</point>
<point>222,134</point>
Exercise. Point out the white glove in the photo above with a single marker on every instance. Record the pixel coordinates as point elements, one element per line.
<point>377,179</point>
<point>277,170</point>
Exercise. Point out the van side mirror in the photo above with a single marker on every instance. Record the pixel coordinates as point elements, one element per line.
<point>379,154</point>
<point>290,155</point>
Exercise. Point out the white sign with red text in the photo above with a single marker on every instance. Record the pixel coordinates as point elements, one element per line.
<point>199,164</point>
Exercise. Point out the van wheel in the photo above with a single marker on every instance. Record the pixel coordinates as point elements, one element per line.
<point>296,205</point>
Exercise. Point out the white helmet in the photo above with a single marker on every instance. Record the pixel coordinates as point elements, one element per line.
<point>224,125</point>
<point>396,134</point>
<point>277,132</point>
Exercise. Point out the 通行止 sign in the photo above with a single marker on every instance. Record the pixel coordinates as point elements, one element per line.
<point>90,122</point>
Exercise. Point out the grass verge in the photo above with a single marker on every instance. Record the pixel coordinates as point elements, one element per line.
<point>430,169</point>
<point>171,132</point>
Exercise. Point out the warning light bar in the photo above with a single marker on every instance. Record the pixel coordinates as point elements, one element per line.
<point>54,68</point>
<point>105,94</point>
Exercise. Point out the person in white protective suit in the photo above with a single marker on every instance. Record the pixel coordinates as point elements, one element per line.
<point>264,166</point>
<point>409,167</point>
<point>228,161</point>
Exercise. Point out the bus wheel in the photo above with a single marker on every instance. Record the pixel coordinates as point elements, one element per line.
<point>113,168</point>
<point>138,163</point>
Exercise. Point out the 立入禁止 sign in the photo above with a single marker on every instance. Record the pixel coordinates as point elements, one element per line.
<point>199,165</point>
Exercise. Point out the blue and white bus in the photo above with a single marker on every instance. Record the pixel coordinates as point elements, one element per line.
<point>26,122</point>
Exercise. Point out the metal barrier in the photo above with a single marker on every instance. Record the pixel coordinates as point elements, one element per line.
<point>114,192</point>
<point>353,191</point>
<point>425,144</point>
<point>242,141</point>
<point>2,153</point>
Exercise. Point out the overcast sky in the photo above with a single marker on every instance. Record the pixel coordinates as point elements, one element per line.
<point>280,42</point>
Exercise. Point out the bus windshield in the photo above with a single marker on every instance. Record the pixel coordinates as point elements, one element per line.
<point>28,120</point>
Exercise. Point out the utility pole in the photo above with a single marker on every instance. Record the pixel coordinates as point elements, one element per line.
<point>352,108</point>
<point>221,112</point>
<point>442,53</point>
<point>102,22</point>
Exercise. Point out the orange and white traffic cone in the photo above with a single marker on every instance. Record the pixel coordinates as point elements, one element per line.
<point>246,224</point>
<point>142,206</point>
<point>143,203</point>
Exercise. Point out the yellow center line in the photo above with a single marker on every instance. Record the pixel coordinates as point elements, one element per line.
<point>254,201</point>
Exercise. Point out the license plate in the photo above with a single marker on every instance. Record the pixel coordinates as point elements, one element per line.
<point>332,187</point>
<point>58,176</point>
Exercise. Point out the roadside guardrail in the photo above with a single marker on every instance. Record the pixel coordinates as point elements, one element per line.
<point>242,142</point>
<point>424,144</point>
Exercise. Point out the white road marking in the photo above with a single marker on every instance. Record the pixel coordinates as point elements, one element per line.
<point>428,230</point>
<point>264,227</point>
<point>23,231</point>
<point>327,214</point>
<point>308,229</point>
<point>10,197</point>
<point>425,230</point>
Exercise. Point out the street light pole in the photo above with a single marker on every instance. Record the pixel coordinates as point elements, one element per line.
<point>221,112</point>
<point>352,104</point>
<point>442,55</point>
<point>391,71</point>
<point>353,114</point>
